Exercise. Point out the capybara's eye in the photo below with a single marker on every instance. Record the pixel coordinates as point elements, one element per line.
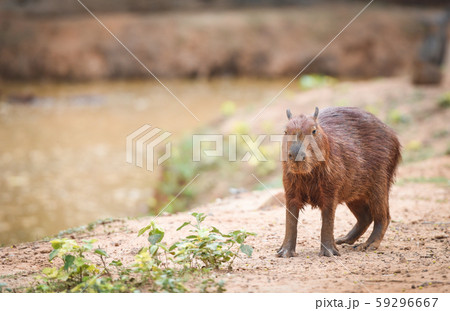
<point>314,132</point>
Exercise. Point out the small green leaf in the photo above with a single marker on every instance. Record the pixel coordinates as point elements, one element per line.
<point>155,235</point>
<point>153,249</point>
<point>143,230</point>
<point>203,232</point>
<point>79,261</point>
<point>116,263</point>
<point>56,244</point>
<point>215,230</point>
<point>199,217</point>
<point>155,238</point>
<point>53,254</point>
<point>183,225</point>
<point>173,247</point>
<point>247,250</point>
<point>88,245</point>
<point>163,246</point>
<point>212,246</point>
<point>68,261</point>
<point>101,252</point>
<point>240,239</point>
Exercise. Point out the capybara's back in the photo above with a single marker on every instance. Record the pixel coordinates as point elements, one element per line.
<point>342,155</point>
<point>368,148</point>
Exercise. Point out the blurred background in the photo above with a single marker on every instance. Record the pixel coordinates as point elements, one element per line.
<point>70,94</point>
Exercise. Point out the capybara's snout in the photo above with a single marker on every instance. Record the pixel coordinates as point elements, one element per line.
<point>295,152</point>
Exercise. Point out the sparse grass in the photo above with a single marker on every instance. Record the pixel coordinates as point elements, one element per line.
<point>417,96</point>
<point>396,117</point>
<point>439,180</point>
<point>176,174</point>
<point>8,276</point>
<point>441,133</point>
<point>275,183</point>
<point>414,145</point>
<point>308,82</point>
<point>444,101</point>
<point>228,108</point>
<point>342,103</point>
<point>373,109</point>
<point>416,152</point>
<point>180,169</point>
<point>85,228</point>
<point>5,286</point>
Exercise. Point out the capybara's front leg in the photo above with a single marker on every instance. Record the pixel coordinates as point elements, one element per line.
<point>327,243</point>
<point>290,239</point>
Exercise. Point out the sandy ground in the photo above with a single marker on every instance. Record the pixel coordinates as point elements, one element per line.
<point>414,256</point>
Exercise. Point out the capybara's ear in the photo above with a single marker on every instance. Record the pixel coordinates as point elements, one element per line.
<point>316,114</point>
<point>289,114</point>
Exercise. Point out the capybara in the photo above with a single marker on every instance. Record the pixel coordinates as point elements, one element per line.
<point>342,155</point>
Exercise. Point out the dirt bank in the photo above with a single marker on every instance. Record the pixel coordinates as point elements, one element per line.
<point>414,256</point>
<point>251,42</point>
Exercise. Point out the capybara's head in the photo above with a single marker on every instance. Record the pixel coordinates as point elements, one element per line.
<point>304,143</point>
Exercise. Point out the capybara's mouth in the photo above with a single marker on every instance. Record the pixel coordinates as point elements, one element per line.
<point>299,167</point>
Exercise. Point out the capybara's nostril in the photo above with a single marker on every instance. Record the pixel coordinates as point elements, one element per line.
<point>301,156</point>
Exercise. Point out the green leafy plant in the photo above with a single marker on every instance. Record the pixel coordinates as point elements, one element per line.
<point>203,248</point>
<point>78,273</point>
<point>156,268</point>
<point>210,248</point>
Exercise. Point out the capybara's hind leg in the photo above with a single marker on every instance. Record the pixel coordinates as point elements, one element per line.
<point>381,218</point>
<point>364,218</point>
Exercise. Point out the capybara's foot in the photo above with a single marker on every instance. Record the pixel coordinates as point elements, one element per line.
<point>286,252</point>
<point>344,240</point>
<point>369,246</point>
<point>328,251</point>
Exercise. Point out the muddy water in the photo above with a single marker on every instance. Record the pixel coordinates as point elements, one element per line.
<point>62,152</point>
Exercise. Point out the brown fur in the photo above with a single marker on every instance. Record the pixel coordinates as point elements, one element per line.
<point>361,154</point>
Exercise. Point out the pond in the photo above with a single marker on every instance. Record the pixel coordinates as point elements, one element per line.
<point>62,146</point>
